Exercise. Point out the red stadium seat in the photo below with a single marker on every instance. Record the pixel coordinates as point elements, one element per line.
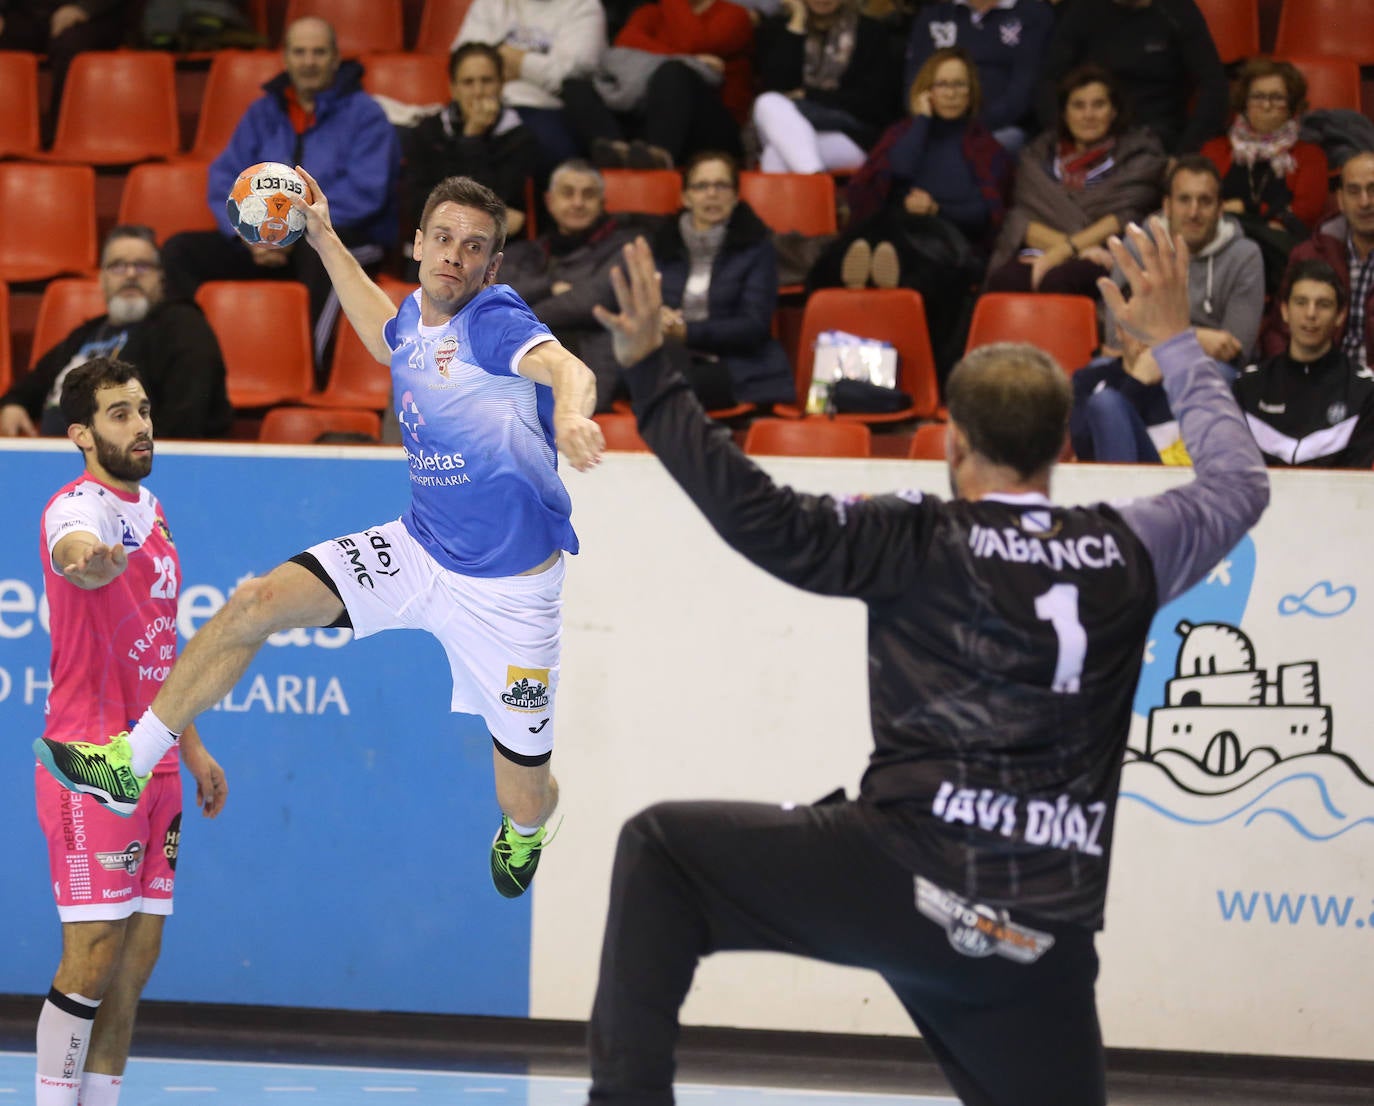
<point>440,21</point>
<point>801,202</point>
<point>356,378</point>
<point>1331,82</point>
<point>118,107</point>
<point>168,196</point>
<point>1065,327</point>
<point>895,315</point>
<point>360,26</point>
<point>621,432</point>
<point>263,327</point>
<point>67,303</point>
<point>410,78</point>
<point>19,94</point>
<point>928,443</point>
<point>234,81</point>
<point>1235,27</point>
<point>1326,29</point>
<point>814,436</point>
<point>643,191</point>
<point>304,425</point>
<point>49,224</point>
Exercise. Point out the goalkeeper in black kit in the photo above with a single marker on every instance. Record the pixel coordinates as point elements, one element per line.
<point>1005,638</point>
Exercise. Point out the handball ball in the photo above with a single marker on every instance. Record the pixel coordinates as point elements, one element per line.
<point>260,208</point>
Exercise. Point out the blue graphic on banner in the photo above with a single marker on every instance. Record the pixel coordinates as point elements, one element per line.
<point>1228,741</point>
<point>350,866</point>
<point>1321,600</point>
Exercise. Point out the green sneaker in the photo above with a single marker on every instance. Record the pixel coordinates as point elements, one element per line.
<point>514,859</point>
<point>105,772</point>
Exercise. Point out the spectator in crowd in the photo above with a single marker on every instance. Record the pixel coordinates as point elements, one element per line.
<point>1272,182</point>
<point>720,288</point>
<point>695,93</point>
<point>1006,40</point>
<point>541,44</point>
<point>1161,54</point>
<point>61,29</point>
<point>1075,187</point>
<point>825,75</point>
<point>1120,411</point>
<point>1310,406</point>
<point>169,343</point>
<point>562,275</point>
<point>1344,242</point>
<point>926,204</point>
<point>315,114</point>
<point>474,136</point>
<point>1225,273</point>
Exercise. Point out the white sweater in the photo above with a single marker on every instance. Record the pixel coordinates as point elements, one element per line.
<point>562,38</point>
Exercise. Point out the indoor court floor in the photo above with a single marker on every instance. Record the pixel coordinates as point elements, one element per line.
<point>186,1056</point>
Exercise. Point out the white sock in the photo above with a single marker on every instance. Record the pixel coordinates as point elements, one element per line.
<point>64,1035</point>
<point>150,741</point>
<point>523,831</point>
<point>98,1089</point>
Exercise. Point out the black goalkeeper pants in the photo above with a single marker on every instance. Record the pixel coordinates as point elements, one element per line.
<point>695,878</point>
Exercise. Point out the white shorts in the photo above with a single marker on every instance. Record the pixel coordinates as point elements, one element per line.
<point>502,634</point>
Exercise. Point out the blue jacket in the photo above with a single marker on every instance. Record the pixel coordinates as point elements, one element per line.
<point>1006,44</point>
<point>352,150</point>
<point>741,301</point>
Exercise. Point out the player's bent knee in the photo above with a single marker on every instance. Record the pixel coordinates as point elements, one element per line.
<point>287,597</point>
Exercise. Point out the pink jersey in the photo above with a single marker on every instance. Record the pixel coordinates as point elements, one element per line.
<point>111,646</point>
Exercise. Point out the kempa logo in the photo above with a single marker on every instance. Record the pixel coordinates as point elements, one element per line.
<point>526,688</point>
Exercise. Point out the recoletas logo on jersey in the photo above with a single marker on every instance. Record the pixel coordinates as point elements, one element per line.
<point>526,688</point>
<point>160,525</point>
<point>409,415</point>
<point>443,354</point>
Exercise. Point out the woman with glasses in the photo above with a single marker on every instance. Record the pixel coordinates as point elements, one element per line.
<point>1271,181</point>
<point>828,81</point>
<point>925,204</point>
<point>1076,186</point>
<point>720,288</point>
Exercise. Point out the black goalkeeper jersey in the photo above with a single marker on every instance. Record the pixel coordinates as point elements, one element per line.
<point>1004,635</point>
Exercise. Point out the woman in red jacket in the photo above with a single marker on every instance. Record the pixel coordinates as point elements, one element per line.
<point>695,100</point>
<point>1273,182</point>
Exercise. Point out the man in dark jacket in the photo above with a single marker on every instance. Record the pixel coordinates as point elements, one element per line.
<point>172,346</point>
<point>564,274</point>
<point>317,115</point>
<point>1161,54</point>
<point>1310,405</point>
<point>1344,242</point>
<point>474,136</point>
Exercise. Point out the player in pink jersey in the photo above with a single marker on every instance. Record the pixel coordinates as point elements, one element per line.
<point>112,576</point>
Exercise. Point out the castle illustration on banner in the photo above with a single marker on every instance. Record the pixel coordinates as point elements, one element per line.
<point>1228,740</point>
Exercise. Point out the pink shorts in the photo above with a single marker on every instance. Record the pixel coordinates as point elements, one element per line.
<point>105,867</point>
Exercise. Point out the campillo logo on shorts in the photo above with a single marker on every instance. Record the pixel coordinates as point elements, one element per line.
<point>977,930</point>
<point>526,688</point>
<point>128,860</point>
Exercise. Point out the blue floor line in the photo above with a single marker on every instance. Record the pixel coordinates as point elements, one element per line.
<point>161,1082</point>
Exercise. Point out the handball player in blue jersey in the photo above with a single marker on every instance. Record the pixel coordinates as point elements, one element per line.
<point>486,398</point>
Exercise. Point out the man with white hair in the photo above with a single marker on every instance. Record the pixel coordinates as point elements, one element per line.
<point>170,343</point>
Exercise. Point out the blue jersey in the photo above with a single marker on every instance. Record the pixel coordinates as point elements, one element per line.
<point>485,495</point>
